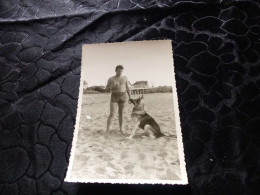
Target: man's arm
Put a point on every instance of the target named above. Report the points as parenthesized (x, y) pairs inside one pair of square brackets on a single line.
[(108, 87), (128, 88)]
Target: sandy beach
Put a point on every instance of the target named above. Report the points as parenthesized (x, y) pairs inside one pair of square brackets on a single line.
[(99, 156)]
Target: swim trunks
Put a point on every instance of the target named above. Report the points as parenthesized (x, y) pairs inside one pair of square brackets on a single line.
[(119, 97)]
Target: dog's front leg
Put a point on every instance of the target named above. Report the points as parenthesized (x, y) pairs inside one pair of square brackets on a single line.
[(134, 130)]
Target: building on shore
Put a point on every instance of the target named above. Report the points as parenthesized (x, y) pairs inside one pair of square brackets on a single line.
[(139, 87)]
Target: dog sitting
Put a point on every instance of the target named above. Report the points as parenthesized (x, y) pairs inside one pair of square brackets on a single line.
[(143, 120)]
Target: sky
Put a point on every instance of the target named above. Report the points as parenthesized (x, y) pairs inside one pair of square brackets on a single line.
[(150, 61)]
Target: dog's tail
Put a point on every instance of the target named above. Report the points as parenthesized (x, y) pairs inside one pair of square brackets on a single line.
[(160, 135), (163, 135), (170, 135)]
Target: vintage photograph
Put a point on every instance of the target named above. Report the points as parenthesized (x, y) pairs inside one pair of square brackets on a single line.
[(127, 127)]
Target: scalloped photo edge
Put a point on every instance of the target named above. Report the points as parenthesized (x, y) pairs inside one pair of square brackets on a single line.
[(183, 180)]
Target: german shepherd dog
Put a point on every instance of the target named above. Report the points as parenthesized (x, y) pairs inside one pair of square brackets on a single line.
[(143, 120)]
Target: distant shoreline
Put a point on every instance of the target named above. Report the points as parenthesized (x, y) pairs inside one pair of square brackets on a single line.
[(101, 90)]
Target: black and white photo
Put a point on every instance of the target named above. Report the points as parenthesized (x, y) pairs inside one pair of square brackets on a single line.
[(127, 127)]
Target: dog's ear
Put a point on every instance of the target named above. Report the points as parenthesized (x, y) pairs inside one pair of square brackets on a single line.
[(142, 97), (131, 101)]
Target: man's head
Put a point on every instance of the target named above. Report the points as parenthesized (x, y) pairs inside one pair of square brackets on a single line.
[(119, 70)]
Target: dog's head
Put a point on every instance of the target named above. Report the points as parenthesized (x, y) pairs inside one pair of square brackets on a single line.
[(138, 102)]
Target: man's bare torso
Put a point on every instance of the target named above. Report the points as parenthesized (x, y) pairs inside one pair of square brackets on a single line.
[(118, 83)]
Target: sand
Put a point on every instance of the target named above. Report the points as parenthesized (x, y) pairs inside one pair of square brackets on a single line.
[(99, 156)]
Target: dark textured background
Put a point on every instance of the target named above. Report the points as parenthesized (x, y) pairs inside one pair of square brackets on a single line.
[(216, 55)]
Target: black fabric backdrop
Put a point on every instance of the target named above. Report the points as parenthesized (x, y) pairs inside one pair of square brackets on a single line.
[(216, 56)]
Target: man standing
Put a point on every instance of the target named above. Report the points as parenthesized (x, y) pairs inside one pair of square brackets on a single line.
[(119, 86)]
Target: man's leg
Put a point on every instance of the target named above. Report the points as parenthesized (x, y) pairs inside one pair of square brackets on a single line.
[(113, 106), (120, 116)]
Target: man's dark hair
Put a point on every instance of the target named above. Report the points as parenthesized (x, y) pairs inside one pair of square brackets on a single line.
[(119, 67)]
